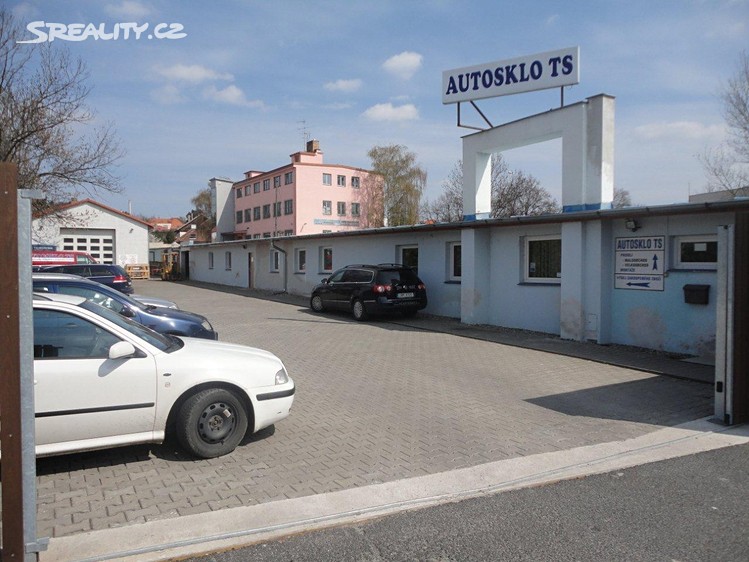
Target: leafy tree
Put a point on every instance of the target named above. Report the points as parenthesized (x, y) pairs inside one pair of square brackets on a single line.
[(202, 206), (44, 121), (402, 183), (727, 166)]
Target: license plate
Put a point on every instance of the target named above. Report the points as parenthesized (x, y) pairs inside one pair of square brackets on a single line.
[(405, 295)]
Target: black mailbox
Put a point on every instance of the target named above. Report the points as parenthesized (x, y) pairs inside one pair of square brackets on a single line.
[(696, 294)]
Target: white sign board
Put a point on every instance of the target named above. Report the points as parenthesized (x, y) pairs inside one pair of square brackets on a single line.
[(640, 263), (552, 69)]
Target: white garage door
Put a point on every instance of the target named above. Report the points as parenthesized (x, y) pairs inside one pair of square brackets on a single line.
[(99, 244)]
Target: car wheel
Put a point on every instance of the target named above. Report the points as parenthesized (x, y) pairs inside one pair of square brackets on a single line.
[(357, 309), (316, 304), (211, 423)]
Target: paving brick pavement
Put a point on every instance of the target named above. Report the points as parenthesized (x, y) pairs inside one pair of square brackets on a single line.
[(376, 402)]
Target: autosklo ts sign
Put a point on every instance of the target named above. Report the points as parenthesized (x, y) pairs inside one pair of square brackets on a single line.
[(552, 69)]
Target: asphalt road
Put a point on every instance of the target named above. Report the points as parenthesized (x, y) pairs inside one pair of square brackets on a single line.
[(688, 509)]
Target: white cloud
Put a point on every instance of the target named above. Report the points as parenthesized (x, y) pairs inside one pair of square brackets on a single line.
[(403, 65), (128, 9), (388, 112), (230, 95), (192, 73), (552, 20), (344, 85), (167, 95), (679, 130)]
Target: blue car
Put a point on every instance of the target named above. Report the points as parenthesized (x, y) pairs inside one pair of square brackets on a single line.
[(160, 319)]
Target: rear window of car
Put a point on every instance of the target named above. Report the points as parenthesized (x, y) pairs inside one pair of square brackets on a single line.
[(386, 276), (101, 270), (357, 276)]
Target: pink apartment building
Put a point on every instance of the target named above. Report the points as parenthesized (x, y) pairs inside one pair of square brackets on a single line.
[(306, 196)]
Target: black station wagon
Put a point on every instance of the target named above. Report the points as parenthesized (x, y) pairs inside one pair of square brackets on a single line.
[(371, 289)]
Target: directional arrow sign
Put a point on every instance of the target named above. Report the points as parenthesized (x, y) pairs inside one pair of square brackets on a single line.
[(639, 263)]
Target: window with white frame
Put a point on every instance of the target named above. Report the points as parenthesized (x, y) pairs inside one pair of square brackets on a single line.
[(355, 181), (247, 215), (355, 209), (256, 187), (543, 259), (266, 184), (341, 208), (288, 178), (256, 213), (327, 179), (288, 207), (327, 207), (239, 216), (275, 261), (247, 189), (300, 260), (326, 259), (266, 211), (277, 209), (239, 192), (455, 261), (227, 261), (341, 181), (277, 181), (696, 252), (210, 260)]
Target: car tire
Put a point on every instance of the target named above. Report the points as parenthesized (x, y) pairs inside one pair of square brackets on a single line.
[(315, 303), (211, 423), (358, 310)]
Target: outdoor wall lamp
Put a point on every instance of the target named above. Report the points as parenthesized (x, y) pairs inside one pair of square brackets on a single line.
[(631, 224)]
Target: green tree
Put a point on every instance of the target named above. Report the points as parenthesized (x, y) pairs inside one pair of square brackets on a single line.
[(402, 182), (44, 121)]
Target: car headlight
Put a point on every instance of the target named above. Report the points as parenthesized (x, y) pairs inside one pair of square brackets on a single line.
[(206, 325), (282, 377)]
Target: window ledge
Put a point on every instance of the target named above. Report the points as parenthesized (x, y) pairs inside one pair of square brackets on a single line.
[(541, 283), (452, 282)]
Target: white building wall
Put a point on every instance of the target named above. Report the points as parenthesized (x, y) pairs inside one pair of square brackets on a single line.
[(130, 236)]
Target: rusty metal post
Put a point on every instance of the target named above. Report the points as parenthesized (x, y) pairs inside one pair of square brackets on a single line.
[(19, 540)]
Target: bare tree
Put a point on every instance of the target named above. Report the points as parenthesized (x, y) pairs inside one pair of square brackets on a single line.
[(727, 166), (621, 199), (43, 119), (513, 193), (448, 207), (402, 183)]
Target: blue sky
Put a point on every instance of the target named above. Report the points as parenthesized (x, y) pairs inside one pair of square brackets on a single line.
[(250, 78)]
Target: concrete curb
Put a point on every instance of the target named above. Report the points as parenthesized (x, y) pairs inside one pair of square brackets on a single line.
[(236, 527)]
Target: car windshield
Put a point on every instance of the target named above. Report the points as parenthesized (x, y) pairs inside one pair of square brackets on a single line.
[(163, 342)]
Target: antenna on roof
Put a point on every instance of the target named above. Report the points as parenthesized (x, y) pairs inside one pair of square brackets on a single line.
[(305, 133)]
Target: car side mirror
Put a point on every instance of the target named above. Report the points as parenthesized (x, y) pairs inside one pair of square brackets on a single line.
[(325, 281), (127, 313), (121, 350)]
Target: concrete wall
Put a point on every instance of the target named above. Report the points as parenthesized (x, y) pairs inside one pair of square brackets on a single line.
[(583, 304), (661, 319)]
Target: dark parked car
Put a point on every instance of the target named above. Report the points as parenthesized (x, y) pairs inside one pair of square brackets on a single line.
[(371, 289), (160, 319), (108, 274)]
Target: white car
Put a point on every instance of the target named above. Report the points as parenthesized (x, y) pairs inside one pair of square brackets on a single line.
[(102, 380)]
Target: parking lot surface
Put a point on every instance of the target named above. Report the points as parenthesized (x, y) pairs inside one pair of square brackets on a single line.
[(376, 402)]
